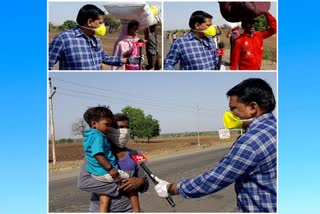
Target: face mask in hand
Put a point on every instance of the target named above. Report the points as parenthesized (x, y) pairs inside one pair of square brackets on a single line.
[(119, 137), (210, 31), (99, 31)]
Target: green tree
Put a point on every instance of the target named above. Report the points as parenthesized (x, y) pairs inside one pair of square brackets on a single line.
[(261, 23), (141, 126), (67, 25), (135, 116), (112, 22), (52, 27), (152, 127)]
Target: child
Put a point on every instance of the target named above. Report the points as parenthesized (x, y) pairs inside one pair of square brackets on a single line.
[(220, 54), (127, 45), (118, 137), (101, 163)]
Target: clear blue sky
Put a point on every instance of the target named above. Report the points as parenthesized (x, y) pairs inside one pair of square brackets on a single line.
[(170, 97), (177, 14), (59, 12)]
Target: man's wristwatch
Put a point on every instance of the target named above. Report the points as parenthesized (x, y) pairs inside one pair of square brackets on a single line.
[(170, 190)]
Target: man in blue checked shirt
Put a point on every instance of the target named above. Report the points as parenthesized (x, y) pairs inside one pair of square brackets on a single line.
[(80, 49), (252, 161), (195, 50)]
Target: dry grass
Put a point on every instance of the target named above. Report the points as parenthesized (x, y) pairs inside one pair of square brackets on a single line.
[(69, 156)]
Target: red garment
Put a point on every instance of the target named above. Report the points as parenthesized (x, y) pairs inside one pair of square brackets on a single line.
[(220, 51), (247, 52)]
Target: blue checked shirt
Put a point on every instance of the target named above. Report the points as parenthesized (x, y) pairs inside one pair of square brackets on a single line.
[(75, 51), (193, 53), (251, 164)]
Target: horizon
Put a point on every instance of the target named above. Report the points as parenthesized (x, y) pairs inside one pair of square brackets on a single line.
[(171, 98)]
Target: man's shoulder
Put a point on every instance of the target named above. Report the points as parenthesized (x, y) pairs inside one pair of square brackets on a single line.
[(240, 38), (71, 31), (260, 133), (258, 34), (132, 151), (66, 35), (183, 40)]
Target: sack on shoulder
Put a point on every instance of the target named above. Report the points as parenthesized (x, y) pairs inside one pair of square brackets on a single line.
[(239, 11)]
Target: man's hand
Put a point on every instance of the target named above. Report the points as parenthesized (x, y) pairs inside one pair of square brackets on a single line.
[(134, 60), (114, 173), (161, 188), (131, 184)]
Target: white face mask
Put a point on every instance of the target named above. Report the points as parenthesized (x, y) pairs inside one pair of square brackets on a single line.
[(119, 137)]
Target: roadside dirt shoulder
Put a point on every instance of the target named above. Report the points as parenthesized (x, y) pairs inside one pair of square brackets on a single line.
[(69, 169)]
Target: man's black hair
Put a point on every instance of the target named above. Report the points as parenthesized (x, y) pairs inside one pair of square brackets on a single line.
[(247, 21), (254, 90), (118, 117), (198, 17), (87, 12), (97, 113), (132, 24), (221, 45)]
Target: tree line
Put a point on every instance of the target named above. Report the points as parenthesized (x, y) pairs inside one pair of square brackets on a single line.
[(260, 21), (111, 22)]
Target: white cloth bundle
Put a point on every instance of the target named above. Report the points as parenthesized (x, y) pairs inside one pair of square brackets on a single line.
[(234, 24), (137, 10)]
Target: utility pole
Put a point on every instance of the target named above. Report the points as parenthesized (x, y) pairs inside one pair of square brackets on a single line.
[(197, 118), (52, 91)]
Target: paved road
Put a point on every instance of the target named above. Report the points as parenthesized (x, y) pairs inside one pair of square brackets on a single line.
[(65, 197)]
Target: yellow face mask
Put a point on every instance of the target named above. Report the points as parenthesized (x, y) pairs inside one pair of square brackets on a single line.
[(101, 30), (231, 121), (210, 31)]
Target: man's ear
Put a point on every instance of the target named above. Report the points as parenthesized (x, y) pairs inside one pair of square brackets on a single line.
[(93, 124), (197, 25), (254, 108), (89, 22)]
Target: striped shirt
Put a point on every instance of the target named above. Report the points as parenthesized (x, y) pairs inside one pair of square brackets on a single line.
[(192, 52), (251, 164), (75, 51)]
